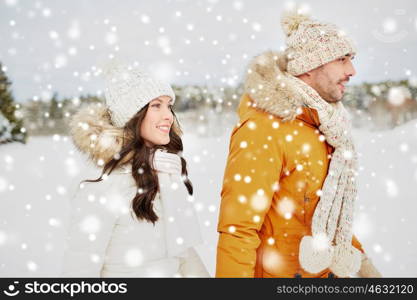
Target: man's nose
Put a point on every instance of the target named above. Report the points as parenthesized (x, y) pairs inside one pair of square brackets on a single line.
[(350, 69)]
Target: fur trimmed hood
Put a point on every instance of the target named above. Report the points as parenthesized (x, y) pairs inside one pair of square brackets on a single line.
[(271, 87), (94, 134)]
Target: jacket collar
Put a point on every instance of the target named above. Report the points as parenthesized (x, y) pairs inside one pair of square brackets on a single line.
[(309, 116), (271, 90)]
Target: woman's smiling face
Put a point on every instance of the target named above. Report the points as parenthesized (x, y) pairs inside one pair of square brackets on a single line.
[(157, 122)]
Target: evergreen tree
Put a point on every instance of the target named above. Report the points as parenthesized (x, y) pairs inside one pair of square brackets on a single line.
[(11, 123), (55, 108)]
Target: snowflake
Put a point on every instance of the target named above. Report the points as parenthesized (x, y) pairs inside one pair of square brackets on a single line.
[(321, 242), (32, 266), (3, 238), (3, 184), (389, 25), (299, 167), (133, 257), (11, 2), (306, 148), (74, 31), (212, 208), (404, 147), (259, 201), (46, 12), (256, 219), (377, 248), (286, 207), (247, 179), (54, 222), (61, 190), (174, 186), (95, 258), (397, 95), (90, 224), (199, 206), (145, 19), (271, 260), (256, 27), (242, 199), (238, 5), (61, 61), (111, 38), (391, 188), (8, 159)]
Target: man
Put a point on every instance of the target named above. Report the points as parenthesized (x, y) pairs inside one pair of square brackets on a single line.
[(289, 184)]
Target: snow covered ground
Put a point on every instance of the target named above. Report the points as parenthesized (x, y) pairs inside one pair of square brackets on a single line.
[(37, 180)]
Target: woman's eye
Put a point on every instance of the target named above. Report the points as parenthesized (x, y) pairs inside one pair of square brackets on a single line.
[(157, 105)]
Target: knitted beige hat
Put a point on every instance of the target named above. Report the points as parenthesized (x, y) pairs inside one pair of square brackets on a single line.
[(129, 89), (311, 43)]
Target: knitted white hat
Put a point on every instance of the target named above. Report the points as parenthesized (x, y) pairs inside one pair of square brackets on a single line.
[(128, 90), (311, 43)]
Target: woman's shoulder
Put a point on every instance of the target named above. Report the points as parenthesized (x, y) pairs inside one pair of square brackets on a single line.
[(114, 190)]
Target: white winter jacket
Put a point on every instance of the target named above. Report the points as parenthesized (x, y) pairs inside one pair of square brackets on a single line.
[(105, 239)]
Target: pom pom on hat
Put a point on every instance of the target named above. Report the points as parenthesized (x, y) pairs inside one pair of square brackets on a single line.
[(311, 43), (291, 20), (111, 67)]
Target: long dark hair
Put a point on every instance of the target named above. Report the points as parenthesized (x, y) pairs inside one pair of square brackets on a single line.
[(135, 151)]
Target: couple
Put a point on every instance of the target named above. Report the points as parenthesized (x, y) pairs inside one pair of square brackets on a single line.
[(289, 185)]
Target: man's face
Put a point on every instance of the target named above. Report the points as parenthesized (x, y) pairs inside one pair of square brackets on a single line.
[(329, 80)]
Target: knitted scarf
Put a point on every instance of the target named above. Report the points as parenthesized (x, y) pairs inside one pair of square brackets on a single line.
[(182, 229), (330, 245)]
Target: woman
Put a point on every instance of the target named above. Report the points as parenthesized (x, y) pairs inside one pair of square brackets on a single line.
[(137, 218)]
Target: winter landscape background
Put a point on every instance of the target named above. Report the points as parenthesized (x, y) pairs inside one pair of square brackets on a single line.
[(38, 179), (51, 57)]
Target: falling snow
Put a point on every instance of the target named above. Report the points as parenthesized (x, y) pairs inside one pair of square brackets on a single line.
[(200, 43)]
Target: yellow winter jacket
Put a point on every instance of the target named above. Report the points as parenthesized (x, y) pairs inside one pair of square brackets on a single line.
[(271, 185)]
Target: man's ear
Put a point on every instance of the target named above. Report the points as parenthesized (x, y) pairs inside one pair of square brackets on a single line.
[(308, 74), (304, 76)]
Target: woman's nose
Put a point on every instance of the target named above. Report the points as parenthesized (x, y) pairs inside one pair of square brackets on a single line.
[(167, 114)]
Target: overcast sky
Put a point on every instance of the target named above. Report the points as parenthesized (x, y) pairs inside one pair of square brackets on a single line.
[(57, 46)]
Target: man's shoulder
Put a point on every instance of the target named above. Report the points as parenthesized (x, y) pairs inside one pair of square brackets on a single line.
[(259, 121)]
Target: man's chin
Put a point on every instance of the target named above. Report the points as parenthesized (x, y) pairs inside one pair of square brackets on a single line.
[(334, 100)]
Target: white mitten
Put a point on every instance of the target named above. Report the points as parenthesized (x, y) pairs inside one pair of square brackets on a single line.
[(314, 256), (367, 269), (191, 265)]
